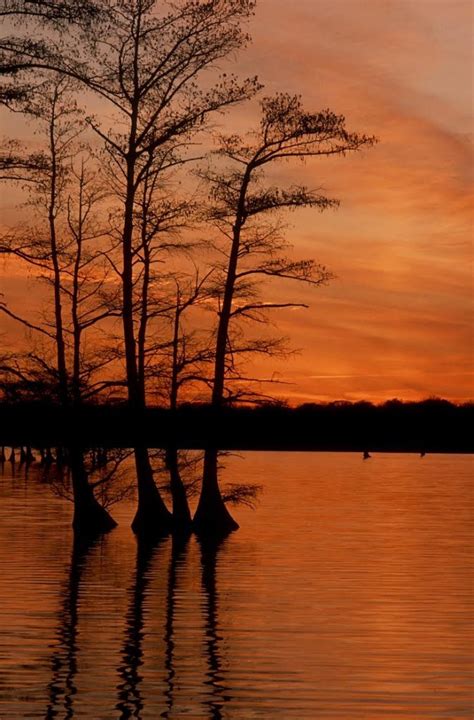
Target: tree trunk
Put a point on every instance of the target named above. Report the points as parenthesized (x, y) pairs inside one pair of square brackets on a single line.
[(211, 510), (182, 521), (152, 519), (90, 518), (181, 513), (52, 211), (212, 517)]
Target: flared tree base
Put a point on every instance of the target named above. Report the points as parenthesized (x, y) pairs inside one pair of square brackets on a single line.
[(182, 520), (182, 527), (212, 519), (153, 519), (91, 519), (152, 522)]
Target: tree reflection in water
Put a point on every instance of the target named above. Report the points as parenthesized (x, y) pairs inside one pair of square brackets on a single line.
[(62, 688), (133, 667), (179, 549), (215, 676), (129, 693)]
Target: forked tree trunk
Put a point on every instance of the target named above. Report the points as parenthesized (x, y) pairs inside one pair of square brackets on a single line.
[(152, 519), (90, 518), (182, 521), (181, 512), (212, 518)]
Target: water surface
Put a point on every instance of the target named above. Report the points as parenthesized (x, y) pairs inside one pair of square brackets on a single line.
[(346, 594)]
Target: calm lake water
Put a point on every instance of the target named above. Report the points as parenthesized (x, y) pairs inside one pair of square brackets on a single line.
[(346, 594)]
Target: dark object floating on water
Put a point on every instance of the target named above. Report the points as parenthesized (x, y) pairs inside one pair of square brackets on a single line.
[(366, 455)]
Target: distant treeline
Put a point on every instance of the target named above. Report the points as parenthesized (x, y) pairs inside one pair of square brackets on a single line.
[(430, 426)]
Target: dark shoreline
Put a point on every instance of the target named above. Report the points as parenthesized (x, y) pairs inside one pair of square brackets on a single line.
[(431, 426)]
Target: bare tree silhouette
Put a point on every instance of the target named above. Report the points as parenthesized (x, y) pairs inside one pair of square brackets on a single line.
[(143, 61), (56, 252), (254, 250)]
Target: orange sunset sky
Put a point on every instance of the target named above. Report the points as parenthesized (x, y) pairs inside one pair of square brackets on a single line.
[(397, 320)]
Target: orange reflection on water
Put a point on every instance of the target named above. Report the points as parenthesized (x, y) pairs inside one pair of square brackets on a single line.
[(345, 595)]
